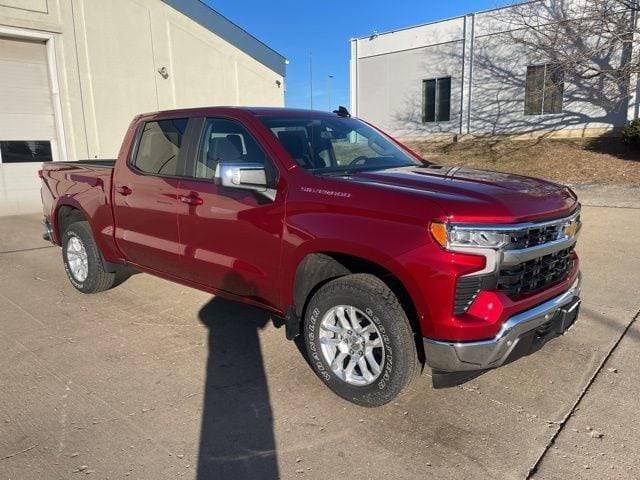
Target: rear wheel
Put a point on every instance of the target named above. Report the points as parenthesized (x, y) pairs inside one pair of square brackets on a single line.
[(359, 341), (83, 261)]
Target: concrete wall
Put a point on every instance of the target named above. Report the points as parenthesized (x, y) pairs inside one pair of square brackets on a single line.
[(104, 60), (488, 74)]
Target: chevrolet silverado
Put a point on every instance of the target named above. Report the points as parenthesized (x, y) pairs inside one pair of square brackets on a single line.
[(377, 261)]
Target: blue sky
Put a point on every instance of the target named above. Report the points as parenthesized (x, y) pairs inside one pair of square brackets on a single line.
[(295, 28)]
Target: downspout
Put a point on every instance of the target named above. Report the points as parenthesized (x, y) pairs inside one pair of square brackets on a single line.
[(464, 57), (471, 59)]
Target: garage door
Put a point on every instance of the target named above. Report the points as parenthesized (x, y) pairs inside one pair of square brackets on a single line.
[(26, 111), (27, 127)]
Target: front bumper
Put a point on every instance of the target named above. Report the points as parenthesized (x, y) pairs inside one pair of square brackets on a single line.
[(519, 335)]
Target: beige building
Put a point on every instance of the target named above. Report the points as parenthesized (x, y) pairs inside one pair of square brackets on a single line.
[(73, 73)]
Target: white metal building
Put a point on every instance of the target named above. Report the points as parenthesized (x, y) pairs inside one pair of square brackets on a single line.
[(465, 75), (73, 73)]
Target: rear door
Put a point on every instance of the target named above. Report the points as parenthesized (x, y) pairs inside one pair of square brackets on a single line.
[(231, 238), (145, 196)]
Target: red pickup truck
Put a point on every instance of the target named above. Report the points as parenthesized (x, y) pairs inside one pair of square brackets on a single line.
[(380, 260)]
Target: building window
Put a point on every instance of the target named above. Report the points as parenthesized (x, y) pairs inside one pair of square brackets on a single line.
[(436, 100), (25, 151), (544, 89)]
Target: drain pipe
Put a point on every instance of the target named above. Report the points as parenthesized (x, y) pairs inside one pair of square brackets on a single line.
[(471, 59)]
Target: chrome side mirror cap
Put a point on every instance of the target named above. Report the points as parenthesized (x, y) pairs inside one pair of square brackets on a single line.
[(244, 176)]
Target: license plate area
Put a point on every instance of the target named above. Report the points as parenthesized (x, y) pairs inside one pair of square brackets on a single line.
[(567, 315)]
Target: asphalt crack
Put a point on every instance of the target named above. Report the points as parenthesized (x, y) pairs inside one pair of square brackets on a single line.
[(534, 469), (27, 249)]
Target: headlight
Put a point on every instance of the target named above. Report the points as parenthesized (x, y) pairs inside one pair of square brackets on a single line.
[(455, 237)]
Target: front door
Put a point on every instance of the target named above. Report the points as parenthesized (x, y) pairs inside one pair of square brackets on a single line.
[(231, 238), (145, 197)]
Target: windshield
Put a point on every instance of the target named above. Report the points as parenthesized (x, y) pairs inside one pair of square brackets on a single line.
[(326, 144)]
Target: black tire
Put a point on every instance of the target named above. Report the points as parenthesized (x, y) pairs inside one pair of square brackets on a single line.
[(400, 365), (97, 279)]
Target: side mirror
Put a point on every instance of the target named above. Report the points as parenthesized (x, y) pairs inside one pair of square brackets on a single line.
[(245, 176)]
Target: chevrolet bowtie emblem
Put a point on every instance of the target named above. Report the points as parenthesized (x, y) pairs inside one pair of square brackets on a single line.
[(571, 229)]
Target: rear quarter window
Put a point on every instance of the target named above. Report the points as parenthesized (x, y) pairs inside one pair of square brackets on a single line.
[(159, 146)]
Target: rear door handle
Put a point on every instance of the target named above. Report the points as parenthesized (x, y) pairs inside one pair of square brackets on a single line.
[(124, 190), (191, 199)]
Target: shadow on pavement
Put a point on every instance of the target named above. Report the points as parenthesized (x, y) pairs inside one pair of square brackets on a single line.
[(236, 437)]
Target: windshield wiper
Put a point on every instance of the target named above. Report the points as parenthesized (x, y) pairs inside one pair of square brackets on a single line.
[(350, 170)]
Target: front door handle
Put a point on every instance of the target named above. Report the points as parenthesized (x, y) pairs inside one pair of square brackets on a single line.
[(191, 199), (124, 190)]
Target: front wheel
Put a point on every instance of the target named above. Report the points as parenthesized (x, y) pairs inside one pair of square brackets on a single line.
[(359, 340), (83, 261)]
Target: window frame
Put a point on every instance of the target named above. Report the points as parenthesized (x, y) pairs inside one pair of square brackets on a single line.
[(200, 127), (436, 106), (543, 91), (182, 155)]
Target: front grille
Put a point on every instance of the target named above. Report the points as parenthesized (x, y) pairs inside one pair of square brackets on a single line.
[(467, 289), (535, 274), (534, 236)]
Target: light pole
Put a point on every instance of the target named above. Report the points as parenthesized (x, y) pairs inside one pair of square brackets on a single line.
[(329, 81), (311, 80)]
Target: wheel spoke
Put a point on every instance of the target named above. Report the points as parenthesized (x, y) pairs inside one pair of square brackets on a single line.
[(342, 319), (348, 372), (330, 328), (376, 342), (364, 369), (368, 330), (330, 341), (337, 364), (375, 366), (353, 318)]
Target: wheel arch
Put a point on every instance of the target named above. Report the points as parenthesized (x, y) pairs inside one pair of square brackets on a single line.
[(65, 213), (70, 211), (317, 268)]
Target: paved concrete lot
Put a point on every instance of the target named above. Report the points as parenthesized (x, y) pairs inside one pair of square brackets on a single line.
[(152, 380)]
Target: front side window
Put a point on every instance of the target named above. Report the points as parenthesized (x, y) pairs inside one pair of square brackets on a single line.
[(160, 146), (336, 144), (436, 100), (544, 89), (227, 141)]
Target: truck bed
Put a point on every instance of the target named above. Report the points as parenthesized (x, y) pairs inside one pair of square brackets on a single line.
[(84, 184), (103, 163)]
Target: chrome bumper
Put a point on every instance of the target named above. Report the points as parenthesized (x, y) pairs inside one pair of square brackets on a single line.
[(481, 355)]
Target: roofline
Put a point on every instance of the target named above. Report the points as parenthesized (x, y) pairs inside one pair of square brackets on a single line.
[(457, 17), (253, 110), (215, 22)]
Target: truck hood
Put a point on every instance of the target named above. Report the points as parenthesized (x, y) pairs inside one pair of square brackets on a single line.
[(470, 195)]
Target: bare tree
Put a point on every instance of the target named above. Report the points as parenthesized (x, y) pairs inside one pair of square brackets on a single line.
[(588, 39)]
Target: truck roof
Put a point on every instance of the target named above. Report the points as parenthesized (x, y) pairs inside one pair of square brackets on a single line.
[(257, 111)]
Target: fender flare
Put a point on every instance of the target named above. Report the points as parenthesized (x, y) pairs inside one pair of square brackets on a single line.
[(296, 293)]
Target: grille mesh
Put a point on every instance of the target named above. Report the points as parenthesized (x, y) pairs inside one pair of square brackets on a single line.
[(535, 274), (534, 236)]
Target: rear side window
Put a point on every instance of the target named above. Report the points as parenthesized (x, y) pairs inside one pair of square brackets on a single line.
[(159, 146)]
